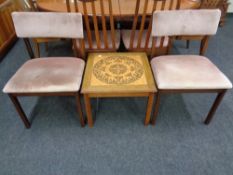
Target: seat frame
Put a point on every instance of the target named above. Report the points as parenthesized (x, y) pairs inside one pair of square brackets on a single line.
[(217, 101), (24, 118)]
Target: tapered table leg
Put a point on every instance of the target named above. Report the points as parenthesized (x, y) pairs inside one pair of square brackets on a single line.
[(79, 109), (88, 110), (156, 108), (20, 111), (149, 108)]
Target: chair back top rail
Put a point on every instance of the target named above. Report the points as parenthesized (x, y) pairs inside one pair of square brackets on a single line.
[(96, 23), (186, 22), (158, 5), (48, 25)]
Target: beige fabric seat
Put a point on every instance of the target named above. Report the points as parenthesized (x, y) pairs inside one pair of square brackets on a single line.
[(44, 75), (188, 72), (109, 39), (126, 39)]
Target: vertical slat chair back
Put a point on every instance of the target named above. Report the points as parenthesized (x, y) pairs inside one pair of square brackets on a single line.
[(31, 4), (142, 16), (97, 21), (196, 23), (47, 25)]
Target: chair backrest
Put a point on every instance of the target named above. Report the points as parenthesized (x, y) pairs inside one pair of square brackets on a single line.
[(185, 22), (194, 23), (48, 25), (97, 19), (145, 16)]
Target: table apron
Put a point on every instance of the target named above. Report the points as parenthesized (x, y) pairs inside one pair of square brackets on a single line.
[(119, 95)]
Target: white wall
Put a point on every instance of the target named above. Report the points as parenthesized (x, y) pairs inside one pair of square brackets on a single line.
[(230, 9)]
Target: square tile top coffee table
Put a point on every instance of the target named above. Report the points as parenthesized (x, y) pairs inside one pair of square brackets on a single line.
[(118, 75)]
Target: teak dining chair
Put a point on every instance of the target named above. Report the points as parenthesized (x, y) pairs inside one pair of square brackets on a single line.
[(51, 76), (139, 37), (100, 33), (187, 73)]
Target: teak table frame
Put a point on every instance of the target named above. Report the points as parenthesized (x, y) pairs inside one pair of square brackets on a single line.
[(120, 91), (88, 96)]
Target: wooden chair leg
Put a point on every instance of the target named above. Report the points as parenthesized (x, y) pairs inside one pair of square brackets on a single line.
[(79, 109), (20, 111), (204, 45), (29, 48), (37, 50), (156, 108), (88, 110), (214, 107), (187, 44), (149, 109)]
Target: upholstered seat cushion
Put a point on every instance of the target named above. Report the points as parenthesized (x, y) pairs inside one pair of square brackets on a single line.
[(45, 75), (126, 34), (109, 39), (188, 72)]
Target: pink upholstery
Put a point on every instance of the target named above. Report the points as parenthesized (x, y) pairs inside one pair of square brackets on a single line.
[(44, 75), (126, 34), (48, 24), (185, 22), (94, 45), (188, 72)]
